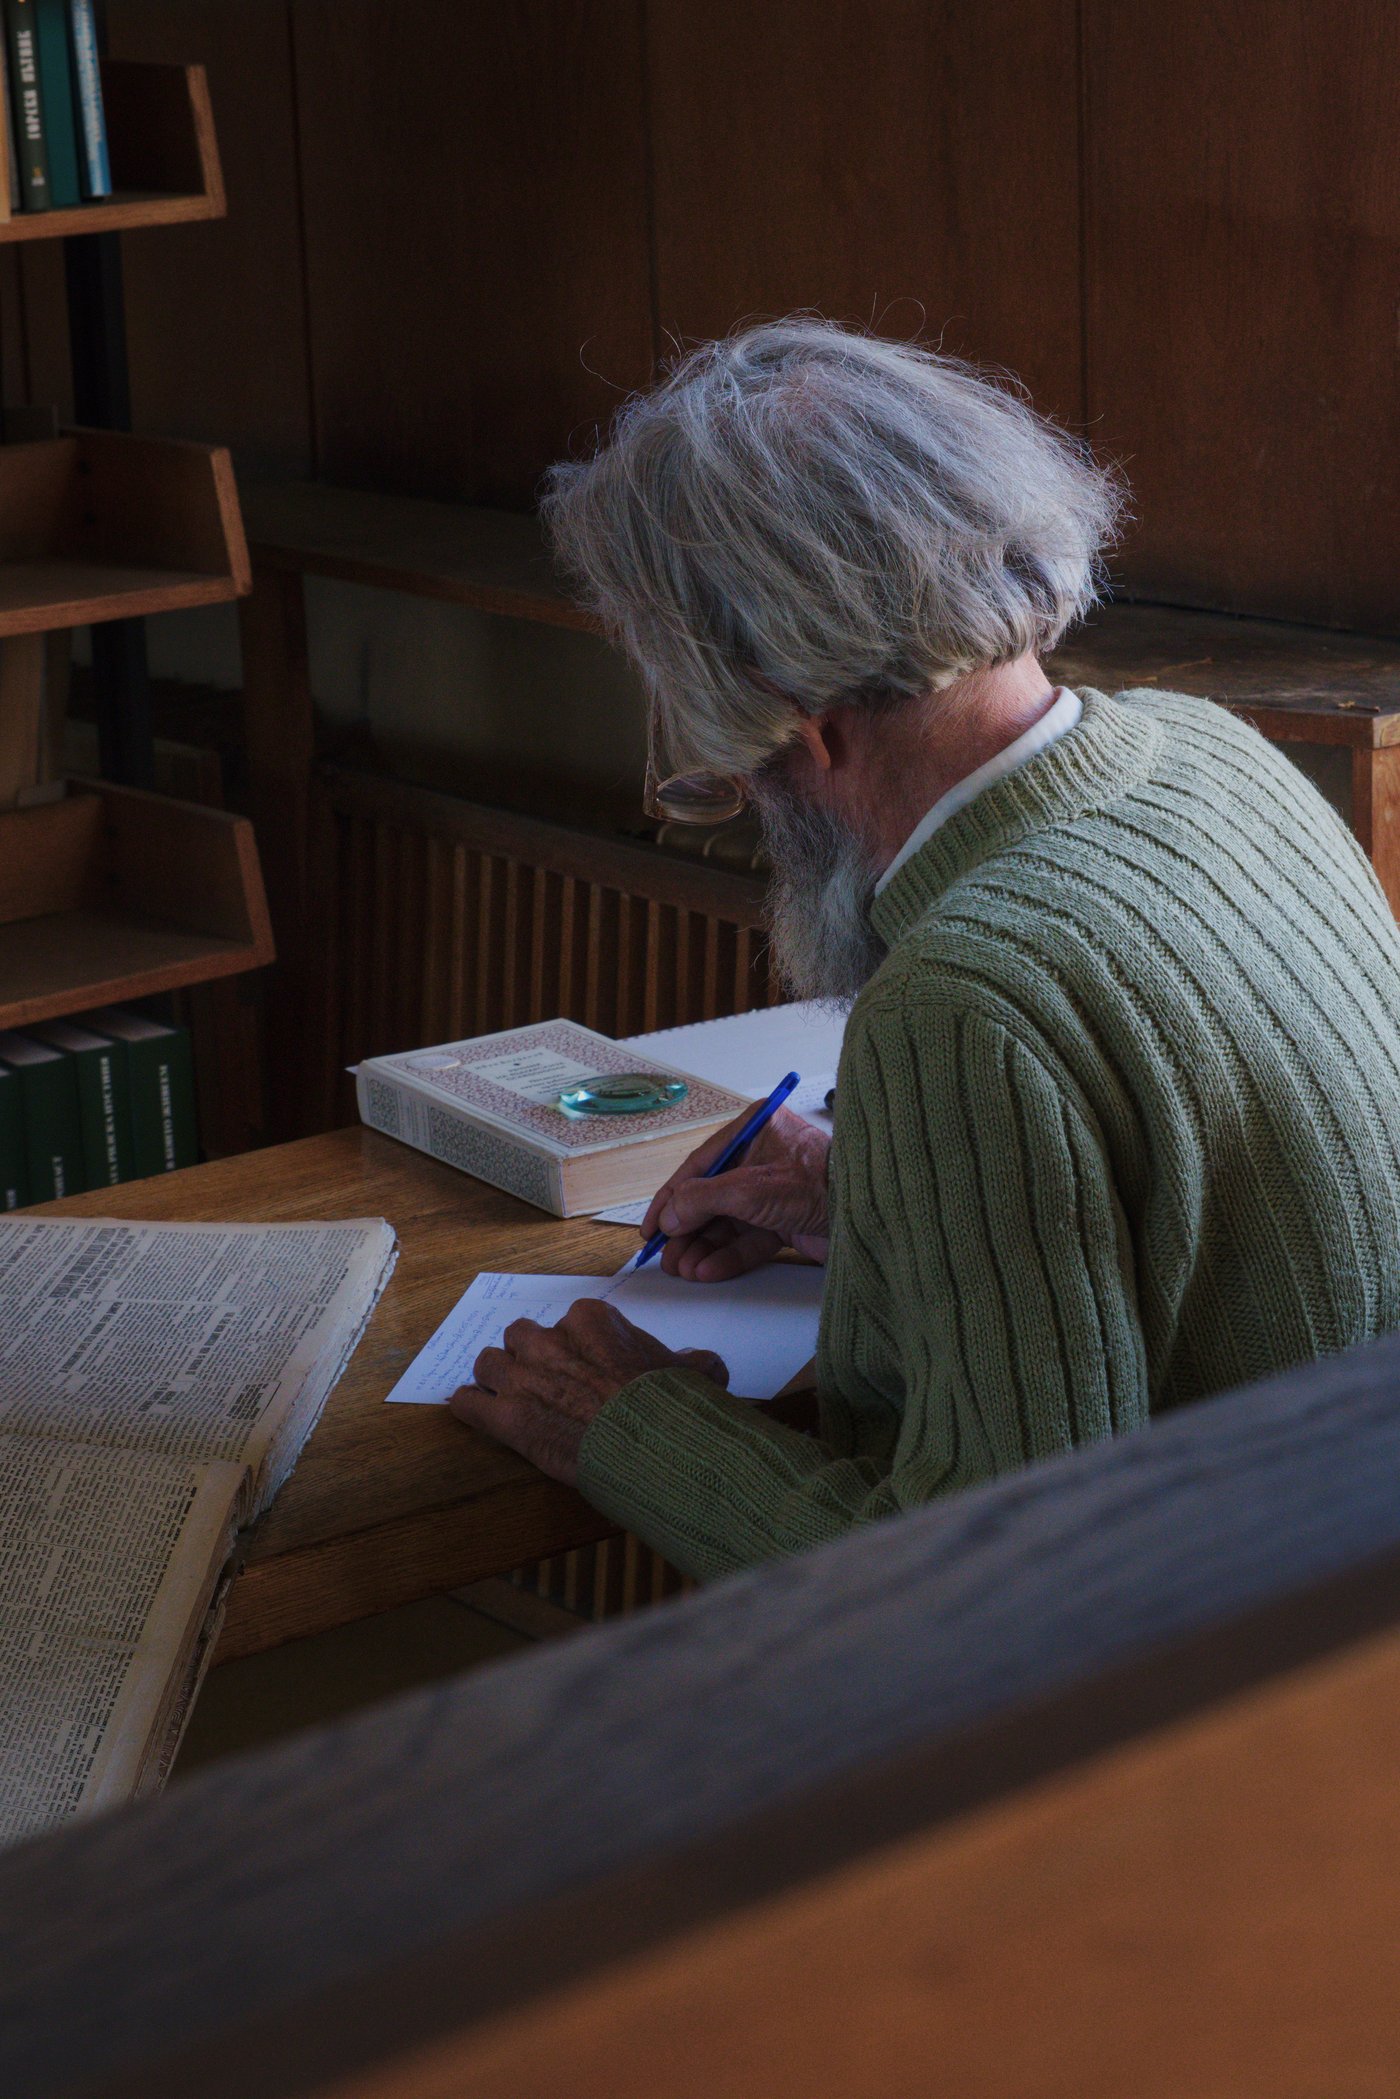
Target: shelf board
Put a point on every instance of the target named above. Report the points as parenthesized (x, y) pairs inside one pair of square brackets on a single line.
[(164, 155), (492, 560), (116, 214), (111, 893), (38, 596), (1297, 684), (73, 960), (97, 525)]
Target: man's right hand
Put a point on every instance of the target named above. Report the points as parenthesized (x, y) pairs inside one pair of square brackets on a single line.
[(775, 1198)]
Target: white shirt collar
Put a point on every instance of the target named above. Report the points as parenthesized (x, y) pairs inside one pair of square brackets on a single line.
[(1058, 719)]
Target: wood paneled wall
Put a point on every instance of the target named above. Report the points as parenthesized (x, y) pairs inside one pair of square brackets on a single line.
[(459, 232)]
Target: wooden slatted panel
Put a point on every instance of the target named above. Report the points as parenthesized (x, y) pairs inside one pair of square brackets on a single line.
[(440, 919)]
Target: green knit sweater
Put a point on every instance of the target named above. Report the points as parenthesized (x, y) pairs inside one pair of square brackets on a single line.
[(1118, 1125)]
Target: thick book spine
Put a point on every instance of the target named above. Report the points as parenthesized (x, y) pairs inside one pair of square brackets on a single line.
[(14, 1173), (175, 1088), (26, 105), (57, 103), (103, 1107), (9, 160), (53, 1130), (143, 1061), (160, 1081), (106, 1114), (387, 1104), (87, 80)]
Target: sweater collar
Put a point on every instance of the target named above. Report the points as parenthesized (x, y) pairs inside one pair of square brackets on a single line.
[(1109, 752)]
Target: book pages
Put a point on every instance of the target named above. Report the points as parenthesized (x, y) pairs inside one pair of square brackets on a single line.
[(157, 1382), (187, 1340), (108, 1562)]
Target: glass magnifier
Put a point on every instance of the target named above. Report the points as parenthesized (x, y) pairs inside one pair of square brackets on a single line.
[(622, 1093)]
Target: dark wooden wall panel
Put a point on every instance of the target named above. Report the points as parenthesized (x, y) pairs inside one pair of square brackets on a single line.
[(913, 166), (1243, 253), (14, 379), (476, 225), (216, 317), (459, 231)]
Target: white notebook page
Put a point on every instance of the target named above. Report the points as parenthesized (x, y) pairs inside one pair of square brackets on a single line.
[(764, 1325)]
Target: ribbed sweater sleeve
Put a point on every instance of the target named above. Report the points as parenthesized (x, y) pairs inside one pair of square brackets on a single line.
[(981, 1277)]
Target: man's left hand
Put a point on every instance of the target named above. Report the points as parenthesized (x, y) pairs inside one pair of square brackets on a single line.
[(543, 1388)]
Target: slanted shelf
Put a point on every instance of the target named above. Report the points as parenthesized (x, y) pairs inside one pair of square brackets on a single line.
[(492, 560), (96, 525), (164, 156), (113, 894)]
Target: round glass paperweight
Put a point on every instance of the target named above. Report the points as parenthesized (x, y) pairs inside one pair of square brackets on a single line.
[(622, 1093)]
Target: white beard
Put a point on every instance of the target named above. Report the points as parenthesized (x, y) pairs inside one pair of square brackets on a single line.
[(818, 906)]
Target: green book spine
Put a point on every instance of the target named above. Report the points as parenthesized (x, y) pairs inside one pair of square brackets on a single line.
[(162, 1102), (14, 1173), (26, 106), (56, 100), (102, 1103), (144, 1059), (53, 1129), (161, 1075), (103, 1100), (178, 1132)]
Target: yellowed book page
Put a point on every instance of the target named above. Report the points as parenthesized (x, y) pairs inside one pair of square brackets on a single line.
[(108, 1564), (204, 1341)]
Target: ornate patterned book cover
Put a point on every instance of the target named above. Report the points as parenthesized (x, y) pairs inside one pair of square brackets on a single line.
[(513, 1080)]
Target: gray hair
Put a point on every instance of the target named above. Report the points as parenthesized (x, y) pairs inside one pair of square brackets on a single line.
[(803, 513)]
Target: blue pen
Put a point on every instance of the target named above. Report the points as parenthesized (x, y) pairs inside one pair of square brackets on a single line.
[(731, 1155)]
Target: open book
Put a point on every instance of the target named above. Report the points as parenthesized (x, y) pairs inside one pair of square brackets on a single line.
[(157, 1384)]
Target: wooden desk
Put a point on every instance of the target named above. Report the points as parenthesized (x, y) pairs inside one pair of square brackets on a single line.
[(387, 1503)]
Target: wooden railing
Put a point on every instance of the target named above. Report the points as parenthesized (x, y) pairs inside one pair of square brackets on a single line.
[(1092, 1767)]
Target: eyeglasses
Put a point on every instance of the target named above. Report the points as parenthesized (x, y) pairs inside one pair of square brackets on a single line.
[(692, 798), (688, 798)]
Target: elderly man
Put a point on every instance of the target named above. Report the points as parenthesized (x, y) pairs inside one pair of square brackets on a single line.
[(1118, 1120)]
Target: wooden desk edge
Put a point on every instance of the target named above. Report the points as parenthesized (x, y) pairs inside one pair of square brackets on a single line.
[(314, 1588)]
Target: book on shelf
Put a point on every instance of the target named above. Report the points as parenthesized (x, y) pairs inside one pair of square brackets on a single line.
[(94, 164), (104, 1099), (14, 1171), (491, 1107), (51, 109), (50, 1116), (58, 103), (9, 159), (26, 104), (99, 1100), (160, 1088), (157, 1385)]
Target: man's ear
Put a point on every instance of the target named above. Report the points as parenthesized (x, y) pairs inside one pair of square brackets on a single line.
[(821, 739)]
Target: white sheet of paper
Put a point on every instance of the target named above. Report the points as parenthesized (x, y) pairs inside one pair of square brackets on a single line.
[(751, 1051), (763, 1324)]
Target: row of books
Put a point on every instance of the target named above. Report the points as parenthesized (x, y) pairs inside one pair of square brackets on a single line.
[(85, 1104), (54, 122)]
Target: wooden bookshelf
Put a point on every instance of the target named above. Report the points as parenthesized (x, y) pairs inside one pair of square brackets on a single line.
[(96, 525), (111, 894), (164, 155)]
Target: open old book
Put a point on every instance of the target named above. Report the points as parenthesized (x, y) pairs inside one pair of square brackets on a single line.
[(157, 1383)]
